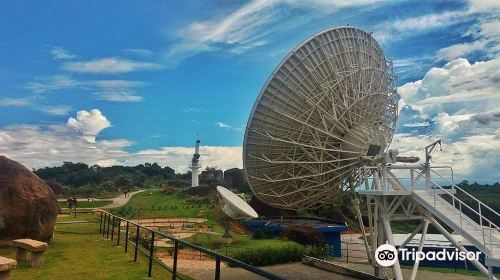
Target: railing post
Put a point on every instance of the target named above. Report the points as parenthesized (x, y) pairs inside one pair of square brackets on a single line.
[(100, 224), (484, 238), (119, 232), (136, 243), (454, 192), (384, 183), (103, 224), (480, 216), (174, 266), (151, 249), (126, 238), (347, 252), (460, 203), (112, 228), (107, 230), (365, 177), (434, 192), (412, 179), (217, 269), (491, 242)]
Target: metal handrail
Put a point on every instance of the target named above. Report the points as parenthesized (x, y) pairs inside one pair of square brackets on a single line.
[(463, 216), (480, 216), (429, 189), (178, 241), (471, 196)]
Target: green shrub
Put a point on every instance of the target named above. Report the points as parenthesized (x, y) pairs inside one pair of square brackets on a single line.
[(125, 212), (305, 235), (258, 234), (278, 255)]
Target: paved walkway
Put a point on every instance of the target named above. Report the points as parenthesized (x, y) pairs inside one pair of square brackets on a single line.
[(204, 269), (116, 202), (121, 200)]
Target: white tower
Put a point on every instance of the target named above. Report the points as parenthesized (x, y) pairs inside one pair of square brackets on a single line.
[(195, 164)]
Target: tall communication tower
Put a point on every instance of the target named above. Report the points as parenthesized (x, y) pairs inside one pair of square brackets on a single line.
[(195, 167)]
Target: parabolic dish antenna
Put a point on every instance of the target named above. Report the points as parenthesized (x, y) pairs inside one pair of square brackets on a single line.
[(234, 206), (328, 103)]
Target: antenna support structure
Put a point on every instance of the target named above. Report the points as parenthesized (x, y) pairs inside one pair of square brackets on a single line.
[(411, 192)]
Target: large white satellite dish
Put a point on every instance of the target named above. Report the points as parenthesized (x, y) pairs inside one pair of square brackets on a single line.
[(330, 102), (234, 206)]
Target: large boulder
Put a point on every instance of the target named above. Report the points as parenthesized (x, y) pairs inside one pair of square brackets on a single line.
[(55, 187), (28, 207), (234, 178)]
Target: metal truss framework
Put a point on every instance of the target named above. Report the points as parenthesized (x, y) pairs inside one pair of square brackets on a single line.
[(388, 200), (318, 113)]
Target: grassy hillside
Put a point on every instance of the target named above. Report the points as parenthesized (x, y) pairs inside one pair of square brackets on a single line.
[(154, 203)]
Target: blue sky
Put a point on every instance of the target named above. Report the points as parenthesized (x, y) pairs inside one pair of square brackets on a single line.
[(123, 82)]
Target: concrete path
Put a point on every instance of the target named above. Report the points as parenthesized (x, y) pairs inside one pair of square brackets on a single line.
[(85, 199), (121, 200), (295, 271), (116, 202)]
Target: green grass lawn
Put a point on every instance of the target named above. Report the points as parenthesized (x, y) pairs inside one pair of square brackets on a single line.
[(110, 194), (157, 204), (86, 204), (104, 195), (78, 252), (241, 242)]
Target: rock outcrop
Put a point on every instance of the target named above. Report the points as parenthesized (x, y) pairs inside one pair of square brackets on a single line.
[(234, 178), (55, 187), (211, 177), (28, 207)]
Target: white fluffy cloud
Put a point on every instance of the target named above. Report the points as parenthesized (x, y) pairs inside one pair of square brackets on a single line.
[(460, 50), (486, 33), (45, 84), (49, 145), (61, 53), (223, 125), (250, 25), (459, 104), (109, 90), (457, 86), (427, 21), (58, 110), (118, 96), (19, 102), (476, 6), (40, 146), (117, 90), (140, 52), (178, 157), (110, 65), (472, 158), (393, 30), (89, 123)]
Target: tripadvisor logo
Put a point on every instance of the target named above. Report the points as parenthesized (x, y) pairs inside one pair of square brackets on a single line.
[(387, 255)]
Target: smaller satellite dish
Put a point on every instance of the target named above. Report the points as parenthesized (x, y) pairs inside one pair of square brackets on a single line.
[(234, 206)]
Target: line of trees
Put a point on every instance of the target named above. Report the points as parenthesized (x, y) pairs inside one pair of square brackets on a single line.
[(80, 175)]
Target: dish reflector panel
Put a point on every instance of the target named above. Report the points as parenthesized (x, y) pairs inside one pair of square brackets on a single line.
[(329, 102), (234, 206)]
